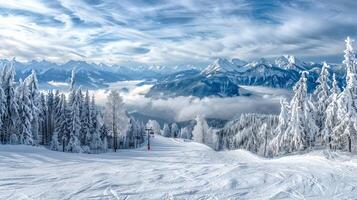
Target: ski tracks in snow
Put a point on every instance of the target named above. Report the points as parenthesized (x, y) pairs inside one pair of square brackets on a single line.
[(174, 169)]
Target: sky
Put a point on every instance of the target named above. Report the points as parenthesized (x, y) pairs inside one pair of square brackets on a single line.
[(178, 32)]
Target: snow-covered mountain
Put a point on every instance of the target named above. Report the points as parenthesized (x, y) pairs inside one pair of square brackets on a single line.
[(88, 75), (223, 77)]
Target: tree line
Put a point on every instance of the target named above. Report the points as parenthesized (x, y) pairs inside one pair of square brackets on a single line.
[(71, 123)]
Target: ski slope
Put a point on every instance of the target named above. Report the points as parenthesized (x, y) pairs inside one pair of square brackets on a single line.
[(174, 169)]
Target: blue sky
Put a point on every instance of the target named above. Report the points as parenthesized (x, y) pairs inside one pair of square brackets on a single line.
[(179, 32)]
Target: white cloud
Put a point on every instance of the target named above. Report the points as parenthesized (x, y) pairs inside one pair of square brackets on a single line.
[(264, 100), (172, 32)]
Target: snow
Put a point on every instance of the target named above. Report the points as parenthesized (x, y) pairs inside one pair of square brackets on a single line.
[(220, 65), (174, 169)]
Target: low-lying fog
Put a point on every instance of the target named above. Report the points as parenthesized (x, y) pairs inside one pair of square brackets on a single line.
[(263, 100)]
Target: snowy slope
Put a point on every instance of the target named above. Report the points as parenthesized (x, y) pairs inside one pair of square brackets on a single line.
[(174, 169)]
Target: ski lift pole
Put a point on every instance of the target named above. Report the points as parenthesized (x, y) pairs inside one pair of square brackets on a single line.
[(148, 130)]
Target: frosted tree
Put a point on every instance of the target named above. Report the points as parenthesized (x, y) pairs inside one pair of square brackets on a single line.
[(74, 144), (2, 110), (264, 132), (25, 114), (331, 119), (86, 121), (115, 117), (49, 117), (321, 97), (279, 143), (186, 133), (134, 135), (96, 143), (174, 130), (154, 125), (166, 131), (54, 144), (61, 131), (301, 129), (32, 84), (42, 118), (11, 107), (201, 130), (345, 133)]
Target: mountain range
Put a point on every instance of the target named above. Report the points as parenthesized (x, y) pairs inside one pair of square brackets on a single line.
[(221, 78), (88, 75)]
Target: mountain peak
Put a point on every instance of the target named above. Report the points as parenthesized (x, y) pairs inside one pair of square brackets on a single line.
[(220, 65), (290, 62)]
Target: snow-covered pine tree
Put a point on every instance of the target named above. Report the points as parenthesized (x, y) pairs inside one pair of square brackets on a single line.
[(264, 132), (201, 130), (59, 119), (116, 117), (301, 127), (104, 133), (96, 143), (134, 135), (42, 118), (74, 144), (32, 84), (10, 116), (345, 134), (85, 132), (2, 110), (49, 117), (279, 143), (174, 130), (186, 133), (321, 99), (166, 131), (331, 115), (25, 114)]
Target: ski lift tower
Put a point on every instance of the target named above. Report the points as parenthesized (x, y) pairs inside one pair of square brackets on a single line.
[(150, 132)]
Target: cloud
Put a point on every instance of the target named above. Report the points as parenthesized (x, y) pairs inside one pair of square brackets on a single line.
[(264, 100), (174, 32)]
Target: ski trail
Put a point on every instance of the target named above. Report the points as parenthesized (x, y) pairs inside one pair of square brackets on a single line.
[(174, 169)]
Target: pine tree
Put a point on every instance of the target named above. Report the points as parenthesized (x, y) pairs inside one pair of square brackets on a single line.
[(42, 119), (200, 131), (301, 129), (96, 143), (25, 114), (2, 110), (321, 98), (279, 143), (264, 132), (61, 129), (331, 116), (10, 116), (74, 144), (32, 84), (166, 131), (186, 133), (174, 130), (49, 117), (86, 123), (345, 133)]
